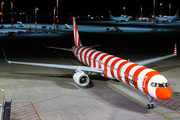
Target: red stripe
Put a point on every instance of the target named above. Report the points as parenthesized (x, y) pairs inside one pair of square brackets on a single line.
[(105, 65), (79, 43), (77, 52), (112, 65), (75, 37), (136, 74), (95, 57), (81, 53), (119, 68), (128, 69), (85, 55), (100, 59), (91, 58), (149, 76)]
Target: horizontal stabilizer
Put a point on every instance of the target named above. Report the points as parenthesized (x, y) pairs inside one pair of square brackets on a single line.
[(93, 46), (67, 49)]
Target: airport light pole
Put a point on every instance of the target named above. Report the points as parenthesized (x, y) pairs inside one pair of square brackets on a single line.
[(2, 3), (153, 13), (36, 17), (161, 9), (57, 14), (11, 13), (141, 12), (169, 9), (124, 8), (54, 17)]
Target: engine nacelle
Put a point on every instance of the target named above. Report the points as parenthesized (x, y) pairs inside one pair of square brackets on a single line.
[(81, 78)]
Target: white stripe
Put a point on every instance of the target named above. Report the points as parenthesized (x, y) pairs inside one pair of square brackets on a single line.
[(124, 69), (104, 59), (79, 56), (116, 66), (84, 55), (87, 58), (99, 56), (94, 59), (141, 78), (75, 50), (108, 68), (132, 71)]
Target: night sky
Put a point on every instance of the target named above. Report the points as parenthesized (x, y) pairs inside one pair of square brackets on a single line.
[(92, 6)]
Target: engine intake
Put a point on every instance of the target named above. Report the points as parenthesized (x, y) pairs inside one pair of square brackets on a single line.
[(81, 78)]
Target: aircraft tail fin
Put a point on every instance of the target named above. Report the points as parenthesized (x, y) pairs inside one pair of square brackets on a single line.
[(77, 40), (177, 14), (110, 14)]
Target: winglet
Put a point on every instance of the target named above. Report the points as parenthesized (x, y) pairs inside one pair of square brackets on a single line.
[(5, 56), (175, 50)]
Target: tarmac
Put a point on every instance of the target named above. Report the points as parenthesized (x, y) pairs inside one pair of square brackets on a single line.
[(49, 93), (40, 93)]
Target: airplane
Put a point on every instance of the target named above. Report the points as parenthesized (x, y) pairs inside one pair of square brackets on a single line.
[(172, 18), (117, 19), (134, 74), (167, 19)]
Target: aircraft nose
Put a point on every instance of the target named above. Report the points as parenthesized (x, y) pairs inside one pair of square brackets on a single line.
[(163, 93)]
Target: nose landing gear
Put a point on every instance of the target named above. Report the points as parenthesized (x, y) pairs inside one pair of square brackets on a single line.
[(151, 105)]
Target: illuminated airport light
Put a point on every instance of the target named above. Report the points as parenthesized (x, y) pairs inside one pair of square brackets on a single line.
[(152, 16), (92, 17), (9, 62), (160, 3), (124, 8), (88, 15), (0, 13), (2, 2), (23, 12)]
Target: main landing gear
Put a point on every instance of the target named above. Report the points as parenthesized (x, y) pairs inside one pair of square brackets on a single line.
[(151, 105)]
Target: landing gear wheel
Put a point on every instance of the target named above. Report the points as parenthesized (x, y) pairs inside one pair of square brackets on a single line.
[(152, 106), (148, 106)]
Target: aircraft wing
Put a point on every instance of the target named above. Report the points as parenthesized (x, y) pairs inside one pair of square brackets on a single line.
[(152, 60), (73, 67)]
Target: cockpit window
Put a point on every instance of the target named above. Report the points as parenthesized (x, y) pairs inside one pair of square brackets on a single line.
[(153, 84)]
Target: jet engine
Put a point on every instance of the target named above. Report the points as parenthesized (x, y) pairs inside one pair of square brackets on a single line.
[(81, 78)]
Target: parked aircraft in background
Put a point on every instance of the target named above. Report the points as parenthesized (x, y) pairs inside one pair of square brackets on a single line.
[(167, 19), (118, 19), (172, 18), (134, 74)]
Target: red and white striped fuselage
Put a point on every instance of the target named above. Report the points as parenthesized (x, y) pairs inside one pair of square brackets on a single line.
[(135, 75)]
